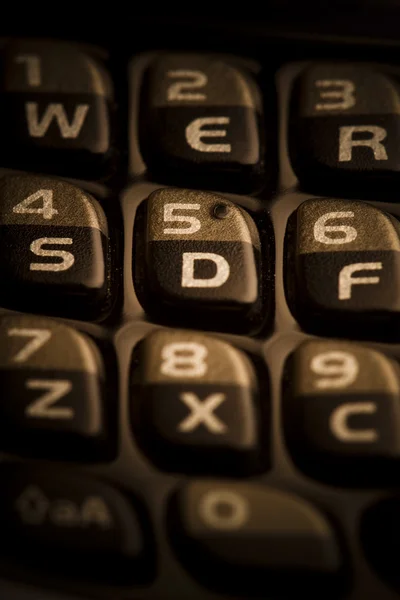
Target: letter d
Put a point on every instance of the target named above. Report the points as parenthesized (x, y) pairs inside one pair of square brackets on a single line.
[(188, 262)]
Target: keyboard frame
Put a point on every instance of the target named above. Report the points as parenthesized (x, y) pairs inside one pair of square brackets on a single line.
[(132, 472)]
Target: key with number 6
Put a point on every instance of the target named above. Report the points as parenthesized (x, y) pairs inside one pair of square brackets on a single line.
[(343, 265)]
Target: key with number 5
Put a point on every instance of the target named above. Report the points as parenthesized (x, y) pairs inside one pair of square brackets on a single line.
[(198, 257)]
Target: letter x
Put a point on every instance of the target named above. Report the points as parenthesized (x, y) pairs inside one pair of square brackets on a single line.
[(202, 412)]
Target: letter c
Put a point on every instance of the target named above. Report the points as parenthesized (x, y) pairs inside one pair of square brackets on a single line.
[(338, 423)]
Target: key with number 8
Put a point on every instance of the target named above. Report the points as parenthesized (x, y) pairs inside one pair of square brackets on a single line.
[(194, 405)]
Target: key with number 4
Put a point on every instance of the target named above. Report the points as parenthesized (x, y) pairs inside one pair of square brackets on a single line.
[(52, 391), (54, 248), (194, 405)]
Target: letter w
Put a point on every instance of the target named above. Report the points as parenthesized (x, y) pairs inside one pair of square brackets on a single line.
[(68, 130)]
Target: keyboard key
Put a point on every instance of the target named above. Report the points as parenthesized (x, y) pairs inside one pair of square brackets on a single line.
[(343, 266), (54, 248), (197, 261), (341, 412), (71, 524), (245, 537), (52, 392), (380, 535), (201, 121), (194, 405), (55, 101), (345, 126)]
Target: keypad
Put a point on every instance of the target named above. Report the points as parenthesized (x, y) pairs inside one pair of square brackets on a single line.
[(64, 518), (342, 411), (54, 247), (345, 124), (256, 537), (195, 405), (55, 103), (199, 384), (380, 538), (202, 115), (343, 264), (199, 253), (52, 391)]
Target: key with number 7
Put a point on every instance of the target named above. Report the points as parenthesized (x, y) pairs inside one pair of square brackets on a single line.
[(52, 399)]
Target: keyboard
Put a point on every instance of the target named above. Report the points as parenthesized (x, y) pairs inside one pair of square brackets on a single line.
[(199, 323)]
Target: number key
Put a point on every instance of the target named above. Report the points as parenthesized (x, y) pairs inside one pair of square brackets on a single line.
[(54, 100), (250, 540), (341, 412), (53, 248), (200, 120), (194, 404), (199, 253), (52, 400), (345, 126), (343, 265)]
